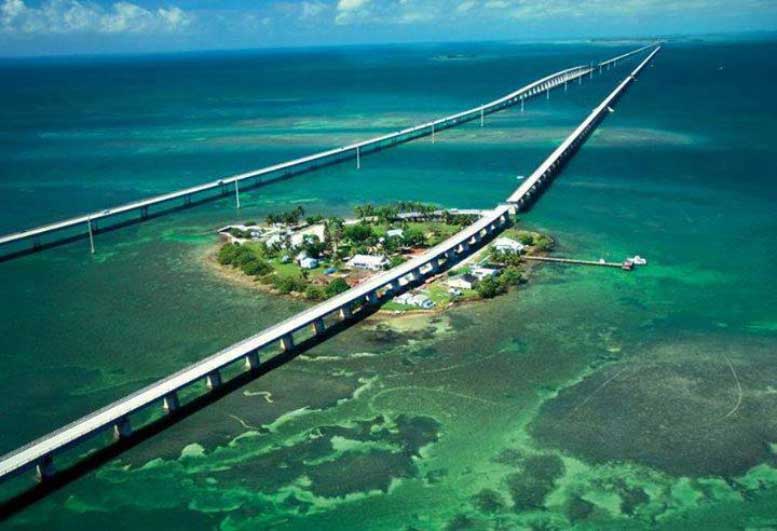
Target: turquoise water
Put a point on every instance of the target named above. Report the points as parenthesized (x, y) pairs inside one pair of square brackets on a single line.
[(591, 398)]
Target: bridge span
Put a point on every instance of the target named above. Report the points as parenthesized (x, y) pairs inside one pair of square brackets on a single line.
[(89, 222), (343, 309), (531, 186)]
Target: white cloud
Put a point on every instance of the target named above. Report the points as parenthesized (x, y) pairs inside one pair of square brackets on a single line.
[(351, 5), (73, 16), (465, 6), (312, 9), (349, 11)]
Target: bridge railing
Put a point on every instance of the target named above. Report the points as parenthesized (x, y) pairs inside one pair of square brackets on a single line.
[(302, 164)]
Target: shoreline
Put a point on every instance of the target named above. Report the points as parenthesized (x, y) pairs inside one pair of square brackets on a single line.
[(236, 277)]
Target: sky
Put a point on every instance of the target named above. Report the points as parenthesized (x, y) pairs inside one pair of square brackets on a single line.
[(44, 27)]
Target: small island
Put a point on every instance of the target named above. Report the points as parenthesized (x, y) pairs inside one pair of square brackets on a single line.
[(315, 258)]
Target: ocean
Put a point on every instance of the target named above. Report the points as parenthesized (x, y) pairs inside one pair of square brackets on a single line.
[(589, 399)]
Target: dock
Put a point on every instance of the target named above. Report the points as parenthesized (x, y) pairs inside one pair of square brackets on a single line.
[(626, 265)]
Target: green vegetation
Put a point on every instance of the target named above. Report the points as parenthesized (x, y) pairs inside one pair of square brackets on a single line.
[(392, 212), (274, 265), (335, 287), (250, 260), (291, 217)]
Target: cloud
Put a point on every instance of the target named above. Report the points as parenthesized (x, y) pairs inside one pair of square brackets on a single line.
[(75, 16), (312, 9), (465, 6), (349, 11)]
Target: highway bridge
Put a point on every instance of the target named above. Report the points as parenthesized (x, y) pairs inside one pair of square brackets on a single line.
[(87, 224), (341, 310)]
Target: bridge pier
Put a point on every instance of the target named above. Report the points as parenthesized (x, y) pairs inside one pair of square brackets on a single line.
[(122, 429), (358, 158), (432, 132), (252, 361), (170, 403), (237, 195), (482, 112), (45, 468), (346, 312), (521, 103), (319, 327), (372, 298), (144, 212), (91, 235), (213, 380), (287, 342)]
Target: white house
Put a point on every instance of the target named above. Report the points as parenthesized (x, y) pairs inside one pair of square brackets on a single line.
[(415, 299), (483, 272), (462, 282), (508, 245), (422, 301), (368, 262), (403, 298), (395, 233), (308, 263)]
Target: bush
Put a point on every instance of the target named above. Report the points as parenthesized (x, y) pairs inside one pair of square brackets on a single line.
[(227, 254), (257, 268), (489, 287), (511, 276), (525, 238), (335, 287), (314, 293), (544, 243), (396, 260), (413, 237), (358, 233), (287, 284)]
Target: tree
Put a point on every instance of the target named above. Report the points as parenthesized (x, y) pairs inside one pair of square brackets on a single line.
[(543, 243), (227, 253), (525, 237), (257, 268), (413, 237), (358, 233), (312, 245), (336, 287), (489, 287), (334, 232), (396, 260)]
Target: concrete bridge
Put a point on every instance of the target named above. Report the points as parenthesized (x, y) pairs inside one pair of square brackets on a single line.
[(531, 187), (247, 355), (13, 244)]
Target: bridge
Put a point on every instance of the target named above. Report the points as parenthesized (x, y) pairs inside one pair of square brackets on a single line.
[(341, 310), (531, 186), (226, 185)]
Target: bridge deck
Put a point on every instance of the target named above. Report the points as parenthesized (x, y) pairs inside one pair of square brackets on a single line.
[(106, 417), (577, 135), (113, 415), (423, 129)]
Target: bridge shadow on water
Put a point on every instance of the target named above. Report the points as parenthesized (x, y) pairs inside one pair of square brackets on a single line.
[(222, 194), (94, 460)]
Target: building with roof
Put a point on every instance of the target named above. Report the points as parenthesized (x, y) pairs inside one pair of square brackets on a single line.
[(368, 262), (508, 245)]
